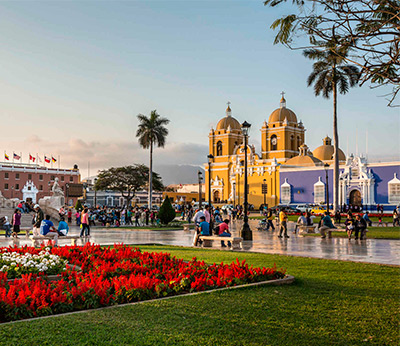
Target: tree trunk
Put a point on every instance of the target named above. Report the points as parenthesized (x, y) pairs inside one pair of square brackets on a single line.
[(151, 176), (336, 152)]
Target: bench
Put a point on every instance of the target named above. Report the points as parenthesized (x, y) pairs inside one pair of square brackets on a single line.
[(306, 229), (34, 239), (329, 231), (186, 226), (208, 239)]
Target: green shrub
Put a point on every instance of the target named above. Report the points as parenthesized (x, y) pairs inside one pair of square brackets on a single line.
[(167, 212), (78, 205)]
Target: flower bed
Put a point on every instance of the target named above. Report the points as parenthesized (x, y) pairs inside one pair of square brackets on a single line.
[(113, 276)]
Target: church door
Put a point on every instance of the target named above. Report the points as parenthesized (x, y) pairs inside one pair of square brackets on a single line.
[(355, 198), (217, 197)]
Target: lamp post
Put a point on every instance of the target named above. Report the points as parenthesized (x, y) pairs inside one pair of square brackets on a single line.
[(246, 232), (326, 166), (199, 174), (234, 194), (210, 157), (264, 190)]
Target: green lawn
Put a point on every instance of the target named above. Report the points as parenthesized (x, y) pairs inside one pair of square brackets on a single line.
[(331, 303), (373, 233)]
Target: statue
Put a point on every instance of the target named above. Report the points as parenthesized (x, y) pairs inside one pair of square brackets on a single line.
[(56, 189)]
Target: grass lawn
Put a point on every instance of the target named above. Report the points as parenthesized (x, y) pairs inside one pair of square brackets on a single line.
[(373, 233), (331, 303)]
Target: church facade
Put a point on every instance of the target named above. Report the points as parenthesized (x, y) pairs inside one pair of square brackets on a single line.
[(288, 170)]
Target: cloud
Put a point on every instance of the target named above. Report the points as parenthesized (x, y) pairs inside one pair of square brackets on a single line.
[(176, 160)]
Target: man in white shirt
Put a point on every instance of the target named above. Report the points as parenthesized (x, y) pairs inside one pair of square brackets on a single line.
[(301, 221), (207, 213), (197, 216)]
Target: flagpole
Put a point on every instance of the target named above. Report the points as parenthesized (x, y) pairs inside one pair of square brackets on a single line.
[(58, 161), (20, 157)]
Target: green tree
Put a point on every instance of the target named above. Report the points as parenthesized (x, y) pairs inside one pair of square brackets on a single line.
[(371, 27), (330, 74), (126, 180), (78, 205), (151, 131), (167, 212)]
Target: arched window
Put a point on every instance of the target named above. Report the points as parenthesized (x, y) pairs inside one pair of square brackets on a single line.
[(298, 142), (274, 142), (292, 143), (219, 148)]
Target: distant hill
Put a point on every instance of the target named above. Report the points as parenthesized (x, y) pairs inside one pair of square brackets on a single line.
[(179, 174)]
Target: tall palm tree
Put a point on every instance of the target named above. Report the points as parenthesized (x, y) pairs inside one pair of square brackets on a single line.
[(330, 74), (151, 131)]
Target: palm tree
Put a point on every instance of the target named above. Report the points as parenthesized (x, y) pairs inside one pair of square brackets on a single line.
[(151, 131), (330, 74)]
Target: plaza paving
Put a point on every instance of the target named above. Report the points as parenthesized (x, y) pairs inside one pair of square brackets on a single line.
[(372, 250)]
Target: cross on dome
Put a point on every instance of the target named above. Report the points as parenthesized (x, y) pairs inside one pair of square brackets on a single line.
[(283, 101), (228, 109)]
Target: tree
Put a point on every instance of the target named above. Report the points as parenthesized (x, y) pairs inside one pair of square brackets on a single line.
[(330, 74), (126, 180), (78, 205), (370, 27), (151, 131), (167, 212)]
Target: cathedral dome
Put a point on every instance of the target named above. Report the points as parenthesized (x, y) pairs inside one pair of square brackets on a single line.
[(325, 151), (304, 158), (282, 113), (228, 122)]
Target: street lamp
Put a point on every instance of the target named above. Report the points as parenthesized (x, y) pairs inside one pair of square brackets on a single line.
[(234, 194), (246, 232), (264, 190), (210, 157), (326, 166), (199, 174)]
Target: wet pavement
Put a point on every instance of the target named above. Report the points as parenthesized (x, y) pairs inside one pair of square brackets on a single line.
[(371, 250)]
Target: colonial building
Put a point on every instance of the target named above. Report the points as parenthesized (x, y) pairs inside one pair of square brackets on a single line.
[(30, 182), (292, 173)]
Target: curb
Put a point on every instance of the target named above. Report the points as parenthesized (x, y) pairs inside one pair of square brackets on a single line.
[(288, 279)]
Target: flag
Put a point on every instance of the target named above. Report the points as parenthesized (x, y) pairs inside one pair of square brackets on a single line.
[(6, 157), (46, 159), (32, 158), (16, 157), (53, 159), (39, 159)]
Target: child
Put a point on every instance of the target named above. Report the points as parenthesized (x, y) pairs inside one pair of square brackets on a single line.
[(380, 221)]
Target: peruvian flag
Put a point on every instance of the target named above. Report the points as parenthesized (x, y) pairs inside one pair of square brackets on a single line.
[(46, 159), (31, 158)]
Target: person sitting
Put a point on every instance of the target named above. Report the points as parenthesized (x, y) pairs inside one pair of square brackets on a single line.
[(349, 225), (202, 229), (301, 221), (326, 225), (47, 229), (62, 227), (224, 232)]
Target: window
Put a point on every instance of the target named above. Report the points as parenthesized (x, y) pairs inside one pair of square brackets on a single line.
[(40, 187), (17, 176), (52, 178), (286, 192), (6, 175), (71, 179), (319, 192), (394, 190), (41, 177), (5, 186), (219, 148), (274, 142), (16, 186), (62, 178), (292, 143)]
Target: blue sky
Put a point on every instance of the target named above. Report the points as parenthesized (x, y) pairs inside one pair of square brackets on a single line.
[(74, 75)]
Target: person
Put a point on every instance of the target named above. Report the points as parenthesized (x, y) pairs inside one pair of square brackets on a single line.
[(207, 214), (137, 217), (326, 224), (338, 217), (396, 217), (85, 224), (16, 222), (47, 229), (69, 215), (224, 232), (380, 221), (270, 218), (367, 219), (37, 221), (7, 227), (301, 221), (197, 217), (62, 227), (360, 227), (349, 224), (309, 219), (78, 217), (202, 229), (283, 220)]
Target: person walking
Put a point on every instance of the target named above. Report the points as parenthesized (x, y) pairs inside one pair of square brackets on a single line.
[(69, 215), (283, 221), (360, 227), (7, 227), (16, 222), (85, 230), (270, 218)]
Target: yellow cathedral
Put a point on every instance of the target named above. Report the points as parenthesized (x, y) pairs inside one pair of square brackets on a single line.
[(282, 143)]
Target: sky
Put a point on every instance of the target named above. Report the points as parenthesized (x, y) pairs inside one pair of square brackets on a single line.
[(74, 75)]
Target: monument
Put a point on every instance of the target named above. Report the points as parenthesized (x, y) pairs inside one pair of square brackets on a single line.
[(52, 204)]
